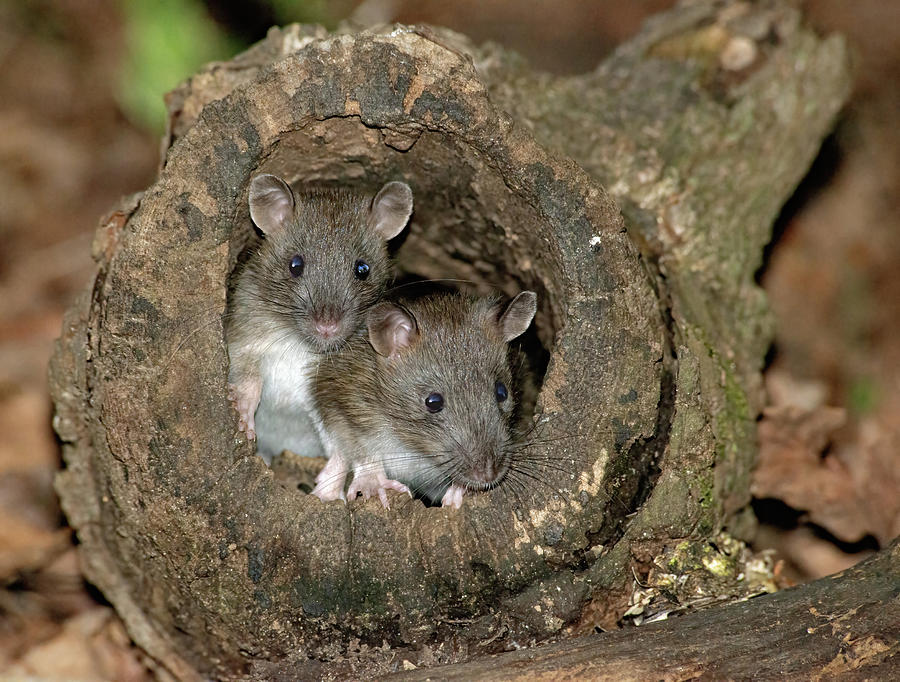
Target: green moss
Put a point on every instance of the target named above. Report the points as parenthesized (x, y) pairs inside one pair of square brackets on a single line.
[(676, 562), (738, 407), (716, 564), (717, 559), (734, 427), (706, 481)]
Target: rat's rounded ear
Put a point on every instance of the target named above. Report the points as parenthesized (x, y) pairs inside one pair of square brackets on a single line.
[(515, 318), (271, 202), (392, 329), (391, 208)]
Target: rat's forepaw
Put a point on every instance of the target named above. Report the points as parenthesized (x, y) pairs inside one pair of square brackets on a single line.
[(245, 399), (248, 426), (374, 483), (330, 481), (453, 497)]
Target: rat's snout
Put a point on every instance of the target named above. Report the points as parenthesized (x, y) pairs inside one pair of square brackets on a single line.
[(485, 474), (483, 456), (327, 328), (328, 323)]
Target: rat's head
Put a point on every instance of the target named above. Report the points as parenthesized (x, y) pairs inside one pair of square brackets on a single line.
[(448, 388), (324, 260)]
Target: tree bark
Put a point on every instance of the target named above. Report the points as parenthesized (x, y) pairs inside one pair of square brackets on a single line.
[(655, 330), (845, 626)]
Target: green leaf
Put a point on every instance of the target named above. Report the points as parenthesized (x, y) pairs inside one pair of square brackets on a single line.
[(167, 41)]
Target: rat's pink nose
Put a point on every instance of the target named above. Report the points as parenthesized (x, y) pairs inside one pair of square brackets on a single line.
[(327, 328), (485, 473)]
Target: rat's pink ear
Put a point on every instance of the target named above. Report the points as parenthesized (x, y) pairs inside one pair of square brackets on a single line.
[(392, 329), (514, 320), (391, 208), (271, 203)]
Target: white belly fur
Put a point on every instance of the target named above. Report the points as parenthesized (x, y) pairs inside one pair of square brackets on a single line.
[(284, 419)]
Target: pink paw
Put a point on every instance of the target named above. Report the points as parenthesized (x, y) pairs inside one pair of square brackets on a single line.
[(453, 497), (245, 399), (374, 482), (330, 481)]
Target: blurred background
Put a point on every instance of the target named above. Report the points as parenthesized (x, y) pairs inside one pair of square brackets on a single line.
[(81, 117)]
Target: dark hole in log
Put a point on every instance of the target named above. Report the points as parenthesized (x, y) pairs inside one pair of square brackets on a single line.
[(469, 231), (467, 223)]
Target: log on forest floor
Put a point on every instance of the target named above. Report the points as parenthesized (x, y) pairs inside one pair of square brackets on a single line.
[(650, 334), (845, 626)]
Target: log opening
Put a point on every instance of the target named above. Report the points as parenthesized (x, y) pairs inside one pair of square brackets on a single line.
[(469, 229), (276, 573)]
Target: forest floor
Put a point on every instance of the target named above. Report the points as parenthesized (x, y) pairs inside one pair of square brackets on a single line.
[(829, 474)]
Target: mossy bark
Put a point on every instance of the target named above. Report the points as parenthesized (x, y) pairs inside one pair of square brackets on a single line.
[(654, 326), (845, 626)]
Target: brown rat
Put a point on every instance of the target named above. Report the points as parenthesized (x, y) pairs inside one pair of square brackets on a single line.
[(300, 296), (425, 402)]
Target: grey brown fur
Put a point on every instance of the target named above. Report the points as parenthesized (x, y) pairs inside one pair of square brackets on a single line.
[(280, 325), (371, 398)]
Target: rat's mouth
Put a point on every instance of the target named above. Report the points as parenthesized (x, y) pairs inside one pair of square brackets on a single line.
[(328, 344), (329, 327), (482, 478), (327, 336)]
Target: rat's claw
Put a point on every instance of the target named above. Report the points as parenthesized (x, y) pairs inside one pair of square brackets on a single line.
[(248, 426), (382, 495), (390, 484), (244, 398), (330, 481), (327, 493), (369, 483), (453, 497)]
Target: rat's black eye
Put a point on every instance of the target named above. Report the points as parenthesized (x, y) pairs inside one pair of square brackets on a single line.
[(500, 391), (434, 402), (296, 265), (361, 269)]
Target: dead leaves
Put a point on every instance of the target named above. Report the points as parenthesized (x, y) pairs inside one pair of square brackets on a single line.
[(847, 486)]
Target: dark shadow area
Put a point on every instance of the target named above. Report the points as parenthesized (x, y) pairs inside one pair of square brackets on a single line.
[(816, 181)]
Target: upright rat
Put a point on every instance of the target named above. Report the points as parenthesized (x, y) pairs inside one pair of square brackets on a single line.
[(424, 401), (304, 292)]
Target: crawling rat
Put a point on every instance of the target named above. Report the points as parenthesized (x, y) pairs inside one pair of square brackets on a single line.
[(425, 401), (304, 292)]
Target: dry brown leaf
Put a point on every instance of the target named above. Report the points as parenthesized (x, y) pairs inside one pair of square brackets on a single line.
[(810, 557), (23, 547), (851, 492), (91, 646)]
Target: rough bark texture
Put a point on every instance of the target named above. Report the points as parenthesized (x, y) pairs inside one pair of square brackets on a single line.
[(654, 326), (845, 626)]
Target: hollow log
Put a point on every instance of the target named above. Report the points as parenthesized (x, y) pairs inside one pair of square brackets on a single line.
[(635, 200)]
